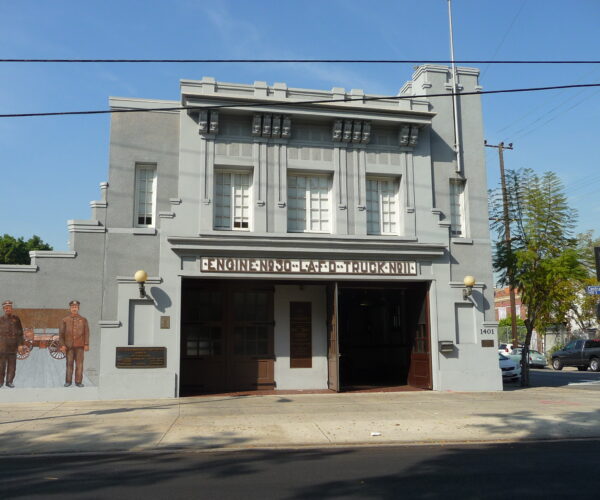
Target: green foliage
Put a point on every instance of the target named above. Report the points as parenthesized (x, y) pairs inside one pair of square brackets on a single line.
[(542, 258), (507, 322), (555, 348), (16, 250)]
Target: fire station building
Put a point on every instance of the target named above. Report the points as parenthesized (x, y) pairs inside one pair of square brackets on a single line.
[(291, 239)]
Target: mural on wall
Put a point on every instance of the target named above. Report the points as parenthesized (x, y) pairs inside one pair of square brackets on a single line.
[(11, 342), (43, 347)]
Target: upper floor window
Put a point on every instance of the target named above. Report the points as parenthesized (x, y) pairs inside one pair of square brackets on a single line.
[(457, 208), (382, 203), (309, 203), (232, 200), (145, 194)]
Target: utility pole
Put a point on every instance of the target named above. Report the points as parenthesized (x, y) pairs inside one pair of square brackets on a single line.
[(511, 291)]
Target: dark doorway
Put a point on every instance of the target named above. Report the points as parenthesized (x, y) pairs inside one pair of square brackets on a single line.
[(384, 336), (226, 337)]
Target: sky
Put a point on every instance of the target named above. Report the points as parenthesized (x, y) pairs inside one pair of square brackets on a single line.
[(51, 166)]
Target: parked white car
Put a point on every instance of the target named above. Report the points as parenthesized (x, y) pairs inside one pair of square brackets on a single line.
[(536, 359), (505, 348), (511, 370)]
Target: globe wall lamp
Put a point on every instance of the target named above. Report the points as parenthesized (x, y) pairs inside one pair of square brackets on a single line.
[(469, 282), (140, 277)]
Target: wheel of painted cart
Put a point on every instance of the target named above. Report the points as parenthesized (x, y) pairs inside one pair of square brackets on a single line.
[(595, 364), (557, 364), (23, 355), (54, 350), (28, 346), (582, 368)]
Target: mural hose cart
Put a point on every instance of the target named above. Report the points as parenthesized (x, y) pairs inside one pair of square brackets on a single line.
[(54, 348), (27, 344)]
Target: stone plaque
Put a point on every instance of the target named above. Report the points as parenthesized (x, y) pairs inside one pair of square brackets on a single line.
[(487, 343), (300, 335), (141, 357), (165, 322)]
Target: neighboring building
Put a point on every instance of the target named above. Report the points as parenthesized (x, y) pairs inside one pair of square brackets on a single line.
[(502, 304), (290, 245)]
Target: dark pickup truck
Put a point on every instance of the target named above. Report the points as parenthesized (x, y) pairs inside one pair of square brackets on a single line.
[(579, 353)]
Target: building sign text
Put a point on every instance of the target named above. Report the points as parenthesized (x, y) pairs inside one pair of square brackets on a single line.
[(307, 266)]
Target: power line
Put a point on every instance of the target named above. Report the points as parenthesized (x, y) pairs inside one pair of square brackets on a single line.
[(296, 103), (323, 61), (504, 37)]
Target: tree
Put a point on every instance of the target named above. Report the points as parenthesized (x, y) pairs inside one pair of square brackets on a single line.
[(582, 310), (542, 259), (16, 250), (508, 322)]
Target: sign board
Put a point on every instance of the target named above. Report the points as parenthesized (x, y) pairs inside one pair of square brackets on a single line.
[(300, 335), (593, 290), (307, 266), (141, 357)]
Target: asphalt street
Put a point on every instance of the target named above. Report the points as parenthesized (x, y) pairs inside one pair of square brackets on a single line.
[(492, 471), (569, 378)]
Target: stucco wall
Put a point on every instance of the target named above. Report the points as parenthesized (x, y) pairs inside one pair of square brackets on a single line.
[(300, 378)]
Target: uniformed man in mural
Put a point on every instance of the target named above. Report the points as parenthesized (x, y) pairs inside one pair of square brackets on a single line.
[(11, 342), (74, 340)]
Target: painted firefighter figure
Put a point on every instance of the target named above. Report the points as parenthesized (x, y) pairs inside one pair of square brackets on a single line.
[(74, 334), (11, 342)]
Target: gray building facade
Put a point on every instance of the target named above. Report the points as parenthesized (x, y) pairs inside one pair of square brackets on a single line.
[(293, 240)]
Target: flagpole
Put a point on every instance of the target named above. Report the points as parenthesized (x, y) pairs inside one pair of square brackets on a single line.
[(457, 141)]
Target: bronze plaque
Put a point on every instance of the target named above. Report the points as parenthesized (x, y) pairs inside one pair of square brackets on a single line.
[(300, 335), (165, 322), (141, 357), (487, 343)]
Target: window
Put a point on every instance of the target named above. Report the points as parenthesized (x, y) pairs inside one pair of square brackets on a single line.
[(457, 208), (308, 203), (232, 200), (145, 194), (501, 312), (382, 200)]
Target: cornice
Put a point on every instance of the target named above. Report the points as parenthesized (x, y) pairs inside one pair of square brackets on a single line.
[(303, 244)]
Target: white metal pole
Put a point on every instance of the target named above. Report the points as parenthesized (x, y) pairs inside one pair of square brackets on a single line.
[(455, 96)]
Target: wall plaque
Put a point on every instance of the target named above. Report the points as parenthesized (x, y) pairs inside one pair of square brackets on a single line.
[(165, 322), (487, 343), (307, 266), (141, 357), (300, 335)]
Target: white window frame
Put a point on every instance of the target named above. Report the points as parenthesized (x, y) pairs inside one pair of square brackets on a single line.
[(232, 197), (307, 200), (137, 213), (395, 183), (502, 314), (458, 228)]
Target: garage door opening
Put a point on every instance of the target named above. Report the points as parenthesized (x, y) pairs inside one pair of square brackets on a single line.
[(383, 337), (226, 337)]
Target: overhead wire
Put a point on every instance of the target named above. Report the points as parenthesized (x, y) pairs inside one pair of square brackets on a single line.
[(311, 61), (483, 71), (297, 103)]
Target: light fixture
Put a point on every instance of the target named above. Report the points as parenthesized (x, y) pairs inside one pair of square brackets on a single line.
[(140, 277), (469, 282)]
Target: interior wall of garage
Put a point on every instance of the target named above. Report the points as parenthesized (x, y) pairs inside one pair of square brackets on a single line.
[(300, 378)]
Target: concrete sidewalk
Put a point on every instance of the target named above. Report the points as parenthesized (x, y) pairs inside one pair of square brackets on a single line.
[(230, 422)]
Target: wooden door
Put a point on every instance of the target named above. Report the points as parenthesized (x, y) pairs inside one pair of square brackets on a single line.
[(203, 342), (333, 348), (250, 330), (226, 338), (419, 374)]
